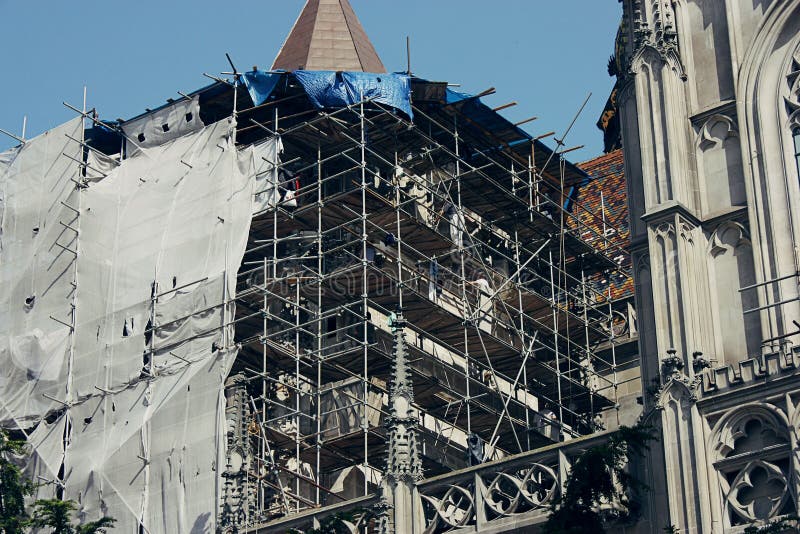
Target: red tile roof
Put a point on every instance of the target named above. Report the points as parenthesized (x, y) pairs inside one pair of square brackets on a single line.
[(601, 204)]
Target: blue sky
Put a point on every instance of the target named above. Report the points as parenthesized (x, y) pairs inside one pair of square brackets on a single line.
[(545, 54)]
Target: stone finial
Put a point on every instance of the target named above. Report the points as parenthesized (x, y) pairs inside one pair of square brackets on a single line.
[(403, 461), (397, 508)]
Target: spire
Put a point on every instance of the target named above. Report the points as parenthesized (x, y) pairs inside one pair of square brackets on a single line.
[(403, 465), (328, 36)]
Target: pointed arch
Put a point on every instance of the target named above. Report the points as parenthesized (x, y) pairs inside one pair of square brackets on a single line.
[(771, 173)]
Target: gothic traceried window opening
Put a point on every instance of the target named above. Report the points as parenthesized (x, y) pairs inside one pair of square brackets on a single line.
[(796, 141), (754, 466)]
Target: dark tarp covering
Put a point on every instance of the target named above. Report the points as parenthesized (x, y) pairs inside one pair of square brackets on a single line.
[(260, 84), (329, 89)]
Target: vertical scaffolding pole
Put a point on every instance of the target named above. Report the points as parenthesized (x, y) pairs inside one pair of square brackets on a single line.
[(260, 490), (60, 482), (365, 290), (589, 370), (399, 240), (464, 304), (613, 351), (298, 390), (530, 186), (517, 269), (554, 305), (274, 264), (319, 323)]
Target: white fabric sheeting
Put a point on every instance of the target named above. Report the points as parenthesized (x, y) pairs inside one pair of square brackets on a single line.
[(32, 368), (150, 452), (34, 181), (155, 218), (177, 214), (46, 444), (180, 118), (98, 166), (188, 322), (266, 159)]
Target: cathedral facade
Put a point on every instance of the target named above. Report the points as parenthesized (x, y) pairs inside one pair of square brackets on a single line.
[(708, 101)]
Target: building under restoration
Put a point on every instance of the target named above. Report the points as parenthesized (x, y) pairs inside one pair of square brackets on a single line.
[(308, 290)]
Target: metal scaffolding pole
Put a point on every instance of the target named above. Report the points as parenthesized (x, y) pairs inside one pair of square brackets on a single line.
[(331, 237), (365, 291)]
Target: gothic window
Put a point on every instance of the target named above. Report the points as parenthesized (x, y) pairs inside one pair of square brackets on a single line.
[(753, 460), (793, 106), (796, 140)]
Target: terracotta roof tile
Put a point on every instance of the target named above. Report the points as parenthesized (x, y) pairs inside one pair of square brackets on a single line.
[(601, 204)]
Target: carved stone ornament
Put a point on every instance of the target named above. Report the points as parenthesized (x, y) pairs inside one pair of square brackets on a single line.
[(672, 373), (758, 492), (711, 135), (699, 362), (750, 448), (793, 100), (671, 365), (729, 235), (506, 494), (659, 37)]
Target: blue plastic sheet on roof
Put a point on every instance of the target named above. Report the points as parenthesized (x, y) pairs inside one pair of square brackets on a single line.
[(260, 84), (455, 96), (329, 89)]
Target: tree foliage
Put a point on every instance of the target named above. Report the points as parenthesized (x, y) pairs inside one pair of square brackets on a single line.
[(47, 513), (13, 487), (597, 479), (338, 523), (55, 513)]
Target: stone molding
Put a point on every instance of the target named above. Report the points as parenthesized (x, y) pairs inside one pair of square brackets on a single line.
[(747, 372)]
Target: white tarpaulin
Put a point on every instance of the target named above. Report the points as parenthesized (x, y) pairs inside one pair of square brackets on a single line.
[(46, 444), (162, 125), (266, 159), (152, 275), (175, 214), (162, 237), (151, 453), (36, 271)]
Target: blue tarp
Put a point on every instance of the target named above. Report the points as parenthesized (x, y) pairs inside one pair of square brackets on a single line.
[(455, 96), (260, 84), (329, 89)]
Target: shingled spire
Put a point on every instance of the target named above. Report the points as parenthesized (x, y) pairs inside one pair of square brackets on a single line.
[(328, 36)]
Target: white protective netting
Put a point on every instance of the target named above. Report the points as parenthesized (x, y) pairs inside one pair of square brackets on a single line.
[(162, 236), (36, 272)]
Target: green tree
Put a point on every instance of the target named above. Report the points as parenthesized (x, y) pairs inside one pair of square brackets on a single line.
[(598, 477), (338, 523), (55, 514), (13, 487), (52, 513)]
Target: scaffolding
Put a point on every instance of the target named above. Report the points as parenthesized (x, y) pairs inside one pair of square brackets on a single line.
[(466, 228), (455, 216)]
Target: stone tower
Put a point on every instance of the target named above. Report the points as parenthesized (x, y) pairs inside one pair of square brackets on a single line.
[(708, 98)]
